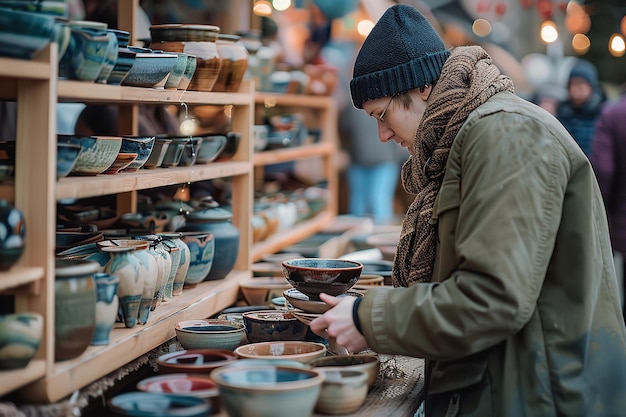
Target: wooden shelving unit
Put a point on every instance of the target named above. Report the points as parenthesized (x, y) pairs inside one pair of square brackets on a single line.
[(35, 87)]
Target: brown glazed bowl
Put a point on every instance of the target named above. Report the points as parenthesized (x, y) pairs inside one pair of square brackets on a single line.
[(369, 363), (312, 276), (273, 325)]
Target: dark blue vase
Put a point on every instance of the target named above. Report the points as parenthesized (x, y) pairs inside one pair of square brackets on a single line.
[(12, 232)]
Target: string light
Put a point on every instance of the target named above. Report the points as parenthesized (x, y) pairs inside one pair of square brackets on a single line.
[(617, 46), (549, 32)]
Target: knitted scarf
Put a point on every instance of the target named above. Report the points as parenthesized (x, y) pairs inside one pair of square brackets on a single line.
[(468, 79)]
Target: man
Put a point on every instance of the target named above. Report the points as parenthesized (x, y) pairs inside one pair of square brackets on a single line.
[(505, 268)]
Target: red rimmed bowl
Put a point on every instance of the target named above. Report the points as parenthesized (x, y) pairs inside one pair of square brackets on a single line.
[(195, 361)]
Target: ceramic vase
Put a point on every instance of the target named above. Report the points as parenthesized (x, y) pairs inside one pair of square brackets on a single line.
[(174, 252), (164, 266), (107, 305), (20, 337), (183, 264), (217, 220), (12, 232), (74, 307), (127, 267), (201, 252), (150, 271)]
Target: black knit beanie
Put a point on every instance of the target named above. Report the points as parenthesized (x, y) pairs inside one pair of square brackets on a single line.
[(401, 53)]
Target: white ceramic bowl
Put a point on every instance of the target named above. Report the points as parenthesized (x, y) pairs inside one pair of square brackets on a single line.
[(343, 391)]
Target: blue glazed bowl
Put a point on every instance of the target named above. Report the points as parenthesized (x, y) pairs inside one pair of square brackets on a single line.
[(23, 34), (12, 234), (176, 74), (98, 154), (67, 154), (152, 404), (212, 147), (125, 61), (150, 68), (142, 146), (86, 54), (46, 7), (20, 336), (267, 390)]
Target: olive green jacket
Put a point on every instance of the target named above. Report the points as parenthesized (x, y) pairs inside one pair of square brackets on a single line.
[(522, 317)]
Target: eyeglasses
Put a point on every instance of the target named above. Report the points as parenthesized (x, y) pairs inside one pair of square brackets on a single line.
[(382, 114)]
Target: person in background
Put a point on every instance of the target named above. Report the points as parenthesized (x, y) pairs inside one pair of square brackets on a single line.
[(504, 269), (585, 98), (549, 96), (608, 157)]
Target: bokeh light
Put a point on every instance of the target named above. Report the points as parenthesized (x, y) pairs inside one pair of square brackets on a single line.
[(481, 27)]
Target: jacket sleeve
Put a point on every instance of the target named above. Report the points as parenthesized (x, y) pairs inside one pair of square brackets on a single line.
[(511, 174)]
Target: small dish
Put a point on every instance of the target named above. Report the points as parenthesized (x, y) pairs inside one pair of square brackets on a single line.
[(194, 360), (304, 303), (292, 350)]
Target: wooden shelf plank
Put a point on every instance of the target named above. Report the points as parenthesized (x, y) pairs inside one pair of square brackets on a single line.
[(295, 234), (292, 100), (18, 276), (295, 153), (205, 300), (81, 91), (82, 187), (15, 379), (24, 69)]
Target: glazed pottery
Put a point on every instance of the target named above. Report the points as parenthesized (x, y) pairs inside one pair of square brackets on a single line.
[(369, 363), (151, 221), (74, 307), (86, 54), (125, 61), (212, 147), (174, 252), (292, 350), (343, 391), (12, 234), (216, 220), (176, 74), (24, 34), (123, 160), (193, 39), (234, 56), (192, 385), (20, 337), (232, 144), (148, 269), (209, 334), (67, 154), (158, 153), (150, 68), (305, 303), (173, 153), (152, 404), (273, 325), (190, 70), (164, 264), (260, 291), (142, 146), (195, 360), (201, 252), (127, 267), (183, 262), (107, 305), (268, 390), (99, 152), (312, 276)]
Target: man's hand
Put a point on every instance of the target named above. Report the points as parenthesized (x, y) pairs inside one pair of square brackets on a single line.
[(337, 323)]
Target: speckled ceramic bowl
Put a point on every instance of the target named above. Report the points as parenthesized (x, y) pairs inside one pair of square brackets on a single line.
[(209, 334), (312, 276), (150, 68), (142, 146), (99, 153)]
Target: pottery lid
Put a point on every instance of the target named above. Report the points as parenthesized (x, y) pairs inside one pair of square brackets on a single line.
[(209, 215), (69, 268)]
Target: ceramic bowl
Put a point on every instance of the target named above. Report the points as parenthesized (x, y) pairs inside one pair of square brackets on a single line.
[(308, 305), (24, 34), (343, 391), (67, 154), (158, 153), (20, 336), (150, 68), (382, 267), (68, 240), (273, 325), (201, 251), (188, 148), (292, 350), (232, 144), (312, 276), (125, 61), (244, 363), (98, 153), (193, 385), (176, 74), (212, 147), (123, 160), (209, 334), (268, 390), (142, 146), (173, 154), (369, 363), (194, 361), (152, 404), (190, 70), (87, 53), (260, 291), (151, 222)]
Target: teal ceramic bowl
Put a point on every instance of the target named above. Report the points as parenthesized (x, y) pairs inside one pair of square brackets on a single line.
[(125, 61), (150, 68), (212, 147), (23, 34), (209, 334), (67, 154), (142, 146), (98, 154), (201, 252), (176, 74), (158, 153), (152, 404), (86, 54), (20, 336), (268, 390)]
